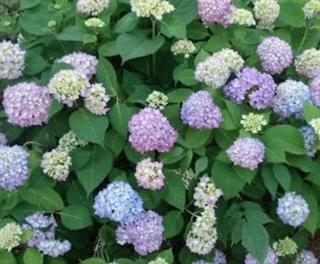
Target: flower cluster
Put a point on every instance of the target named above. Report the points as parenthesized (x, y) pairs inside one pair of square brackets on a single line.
[(14, 169), (68, 85), (271, 258), (145, 233), (158, 260), (310, 138), (206, 194), (253, 123), (285, 247), (118, 202), (69, 142), (151, 131), (12, 60), (94, 22), (290, 98), (315, 91), (81, 62), (259, 87), (242, 17), (199, 111), (151, 8), (3, 139), (157, 100), (275, 54), (96, 99), (187, 177), (315, 124), (54, 248), (203, 235), (308, 63), (293, 209), (266, 11), (311, 8), (247, 153), (27, 104), (219, 258), (217, 68), (10, 236), (306, 257), (92, 7), (56, 164), (149, 174), (216, 11), (183, 47)]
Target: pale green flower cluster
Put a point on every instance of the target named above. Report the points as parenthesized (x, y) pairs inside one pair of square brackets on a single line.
[(315, 124), (92, 7), (158, 260), (308, 63), (10, 236), (151, 8), (69, 142), (187, 177), (157, 100), (242, 17), (311, 8), (183, 47), (94, 22), (266, 11), (96, 99), (285, 247), (232, 58), (253, 123)]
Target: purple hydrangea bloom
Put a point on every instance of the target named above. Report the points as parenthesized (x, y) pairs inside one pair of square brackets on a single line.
[(272, 258), (306, 257), (145, 234), (85, 63), (118, 202), (216, 11), (290, 98), (293, 209), (150, 130), (247, 153), (275, 54), (310, 138), (27, 104), (259, 87), (14, 170), (199, 111), (315, 91), (54, 248), (219, 257)]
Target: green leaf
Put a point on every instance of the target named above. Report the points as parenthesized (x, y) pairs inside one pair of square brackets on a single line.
[(292, 13), (171, 27), (127, 23), (26, 236), (173, 224), (196, 138), (76, 217), (89, 127), (311, 112), (201, 165), (7, 257), (119, 118), (108, 77), (174, 155), (32, 256), (96, 170), (175, 191), (25, 4), (185, 76), (269, 181), (137, 45), (282, 174), (167, 255), (72, 33), (179, 95), (93, 261), (45, 198)]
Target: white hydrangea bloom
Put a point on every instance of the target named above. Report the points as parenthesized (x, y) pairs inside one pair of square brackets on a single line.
[(157, 100), (315, 124), (183, 47), (10, 236), (242, 17), (253, 123), (266, 11), (69, 142), (92, 7), (94, 22), (151, 8), (311, 9), (96, 99)]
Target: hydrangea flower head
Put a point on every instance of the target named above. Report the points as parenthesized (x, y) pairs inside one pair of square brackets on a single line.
[(293, 209), (94, 22), (151, 8), (145, 234), (275, 55), (285, 247), (242, 17), (306, 257), (56, 164), (157, 100), (70, 141), (215, 11), (96, 99), (206, 194), (118, 202), (219, 257), (272, 258), (14, 169), (310, 138), (253, 123), (199, 111), (290, 98), (150, 130), (308, 63), (315, 124), (158, 260), (82, 62), (315, 91), (258, 87), (10, 236), (27, 104), (92, 7), (183, 47), (68, 85), (54, 248), (149, 174), (3, 139), (311, 9), (12, 60), (247, 153), (266, 11)]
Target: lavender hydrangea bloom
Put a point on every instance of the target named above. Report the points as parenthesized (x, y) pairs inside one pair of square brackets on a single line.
[(216, 11), (150, 130), (306, 257), (247, 153), (272, 258), (40, 220), (145, 234), (275, 54), (310, 138), (118, 202), (258, 87), (219, 257), (290, 99), (13, 167), (293, 209), (3, 139), (315, 91), (27, 104), (200, 112), (85, 63), (54, 248)]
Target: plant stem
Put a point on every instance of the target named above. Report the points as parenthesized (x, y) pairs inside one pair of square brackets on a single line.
[(154, 24)]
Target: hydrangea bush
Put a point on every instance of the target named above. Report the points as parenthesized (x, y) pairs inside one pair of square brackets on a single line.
[(159, 131)]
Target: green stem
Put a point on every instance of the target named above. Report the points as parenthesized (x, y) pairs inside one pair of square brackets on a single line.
[(303, 39), (154, 24), (32, 143)]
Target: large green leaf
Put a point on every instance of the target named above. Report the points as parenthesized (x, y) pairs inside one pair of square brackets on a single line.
[(119, 117), (175, 192), (76, 217), (32, 256)]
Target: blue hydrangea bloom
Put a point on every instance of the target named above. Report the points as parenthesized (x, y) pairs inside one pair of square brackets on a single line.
[(118, 202), (310, 138), (306, 257)]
